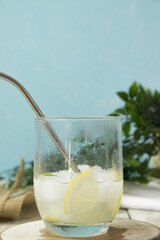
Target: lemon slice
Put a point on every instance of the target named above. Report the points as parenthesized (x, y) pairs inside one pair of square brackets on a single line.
[(51, 219), (82, 194), (118, 203), (113, 174), (116, 176)]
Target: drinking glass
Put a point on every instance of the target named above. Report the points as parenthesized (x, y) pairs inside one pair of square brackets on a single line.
[(78, 203)]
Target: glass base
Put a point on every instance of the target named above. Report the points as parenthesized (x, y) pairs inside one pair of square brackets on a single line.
[(67, 230)]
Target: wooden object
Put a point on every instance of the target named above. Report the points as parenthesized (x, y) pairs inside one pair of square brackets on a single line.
[(152, 217), (120, 229)]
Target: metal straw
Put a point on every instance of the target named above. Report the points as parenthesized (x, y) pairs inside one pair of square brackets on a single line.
[(41, 116)]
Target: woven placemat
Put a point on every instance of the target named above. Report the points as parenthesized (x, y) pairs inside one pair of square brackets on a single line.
[(12, 200)]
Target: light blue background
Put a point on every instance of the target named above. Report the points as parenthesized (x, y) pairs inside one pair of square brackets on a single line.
[(72, 56)]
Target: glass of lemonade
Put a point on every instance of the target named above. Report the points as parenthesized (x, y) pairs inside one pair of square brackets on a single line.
[(71, 203)]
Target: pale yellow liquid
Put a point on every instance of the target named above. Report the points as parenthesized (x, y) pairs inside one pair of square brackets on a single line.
[(50, 192)]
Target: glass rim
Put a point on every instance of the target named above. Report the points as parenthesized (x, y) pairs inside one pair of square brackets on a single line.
[(78, 117)]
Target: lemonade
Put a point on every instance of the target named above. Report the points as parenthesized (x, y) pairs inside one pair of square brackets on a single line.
[(90, 198), (78, 176)]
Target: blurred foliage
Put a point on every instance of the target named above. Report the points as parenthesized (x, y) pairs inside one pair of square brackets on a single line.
[(141, 132), (87, 151), (90, 152), (10, 175), (53, 162), (141, 140)]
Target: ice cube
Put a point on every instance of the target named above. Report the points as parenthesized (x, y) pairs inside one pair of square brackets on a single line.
[(51, 190)]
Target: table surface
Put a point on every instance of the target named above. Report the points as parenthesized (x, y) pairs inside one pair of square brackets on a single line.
[(30, 213)]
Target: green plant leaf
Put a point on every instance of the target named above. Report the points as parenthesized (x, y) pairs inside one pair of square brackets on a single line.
[(113, 114), (121, 111), (123, 95), (136, 134), (156, 95), (133, 90), (126, 128), (134, 162)]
